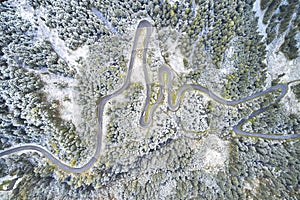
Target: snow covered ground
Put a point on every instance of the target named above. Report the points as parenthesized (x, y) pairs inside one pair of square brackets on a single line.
[(69, 108)]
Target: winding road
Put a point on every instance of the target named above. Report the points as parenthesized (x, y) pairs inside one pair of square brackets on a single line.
[(147, 112)]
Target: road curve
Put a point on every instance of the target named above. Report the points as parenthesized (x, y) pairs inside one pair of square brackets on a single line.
[(173, 106), (148, 110), (32, 147)]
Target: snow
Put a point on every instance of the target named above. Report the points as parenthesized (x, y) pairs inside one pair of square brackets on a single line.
[(176, 58), (8, 194), (278, 64), (216, 152), (260, 13), (172, 2), (69, 110), (6, 178), (211, 154), (28, 13), (167, 188), (228, 66), (137, 70), (5, 194), (291, 104), (59, 46)]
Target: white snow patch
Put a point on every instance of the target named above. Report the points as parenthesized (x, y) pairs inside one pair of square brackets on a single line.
[(26, 12), (228, 66), (278, 64), (259, 13), (69, 109), (252, 185), (297, 38), (291, 104), (59, 46), (137, 74), (172, 2), (70, 56), (176, 58), (7, 178), (105, 121), (137, 70), (167, 188), (5, 194), (8, 194), (211, 154)]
